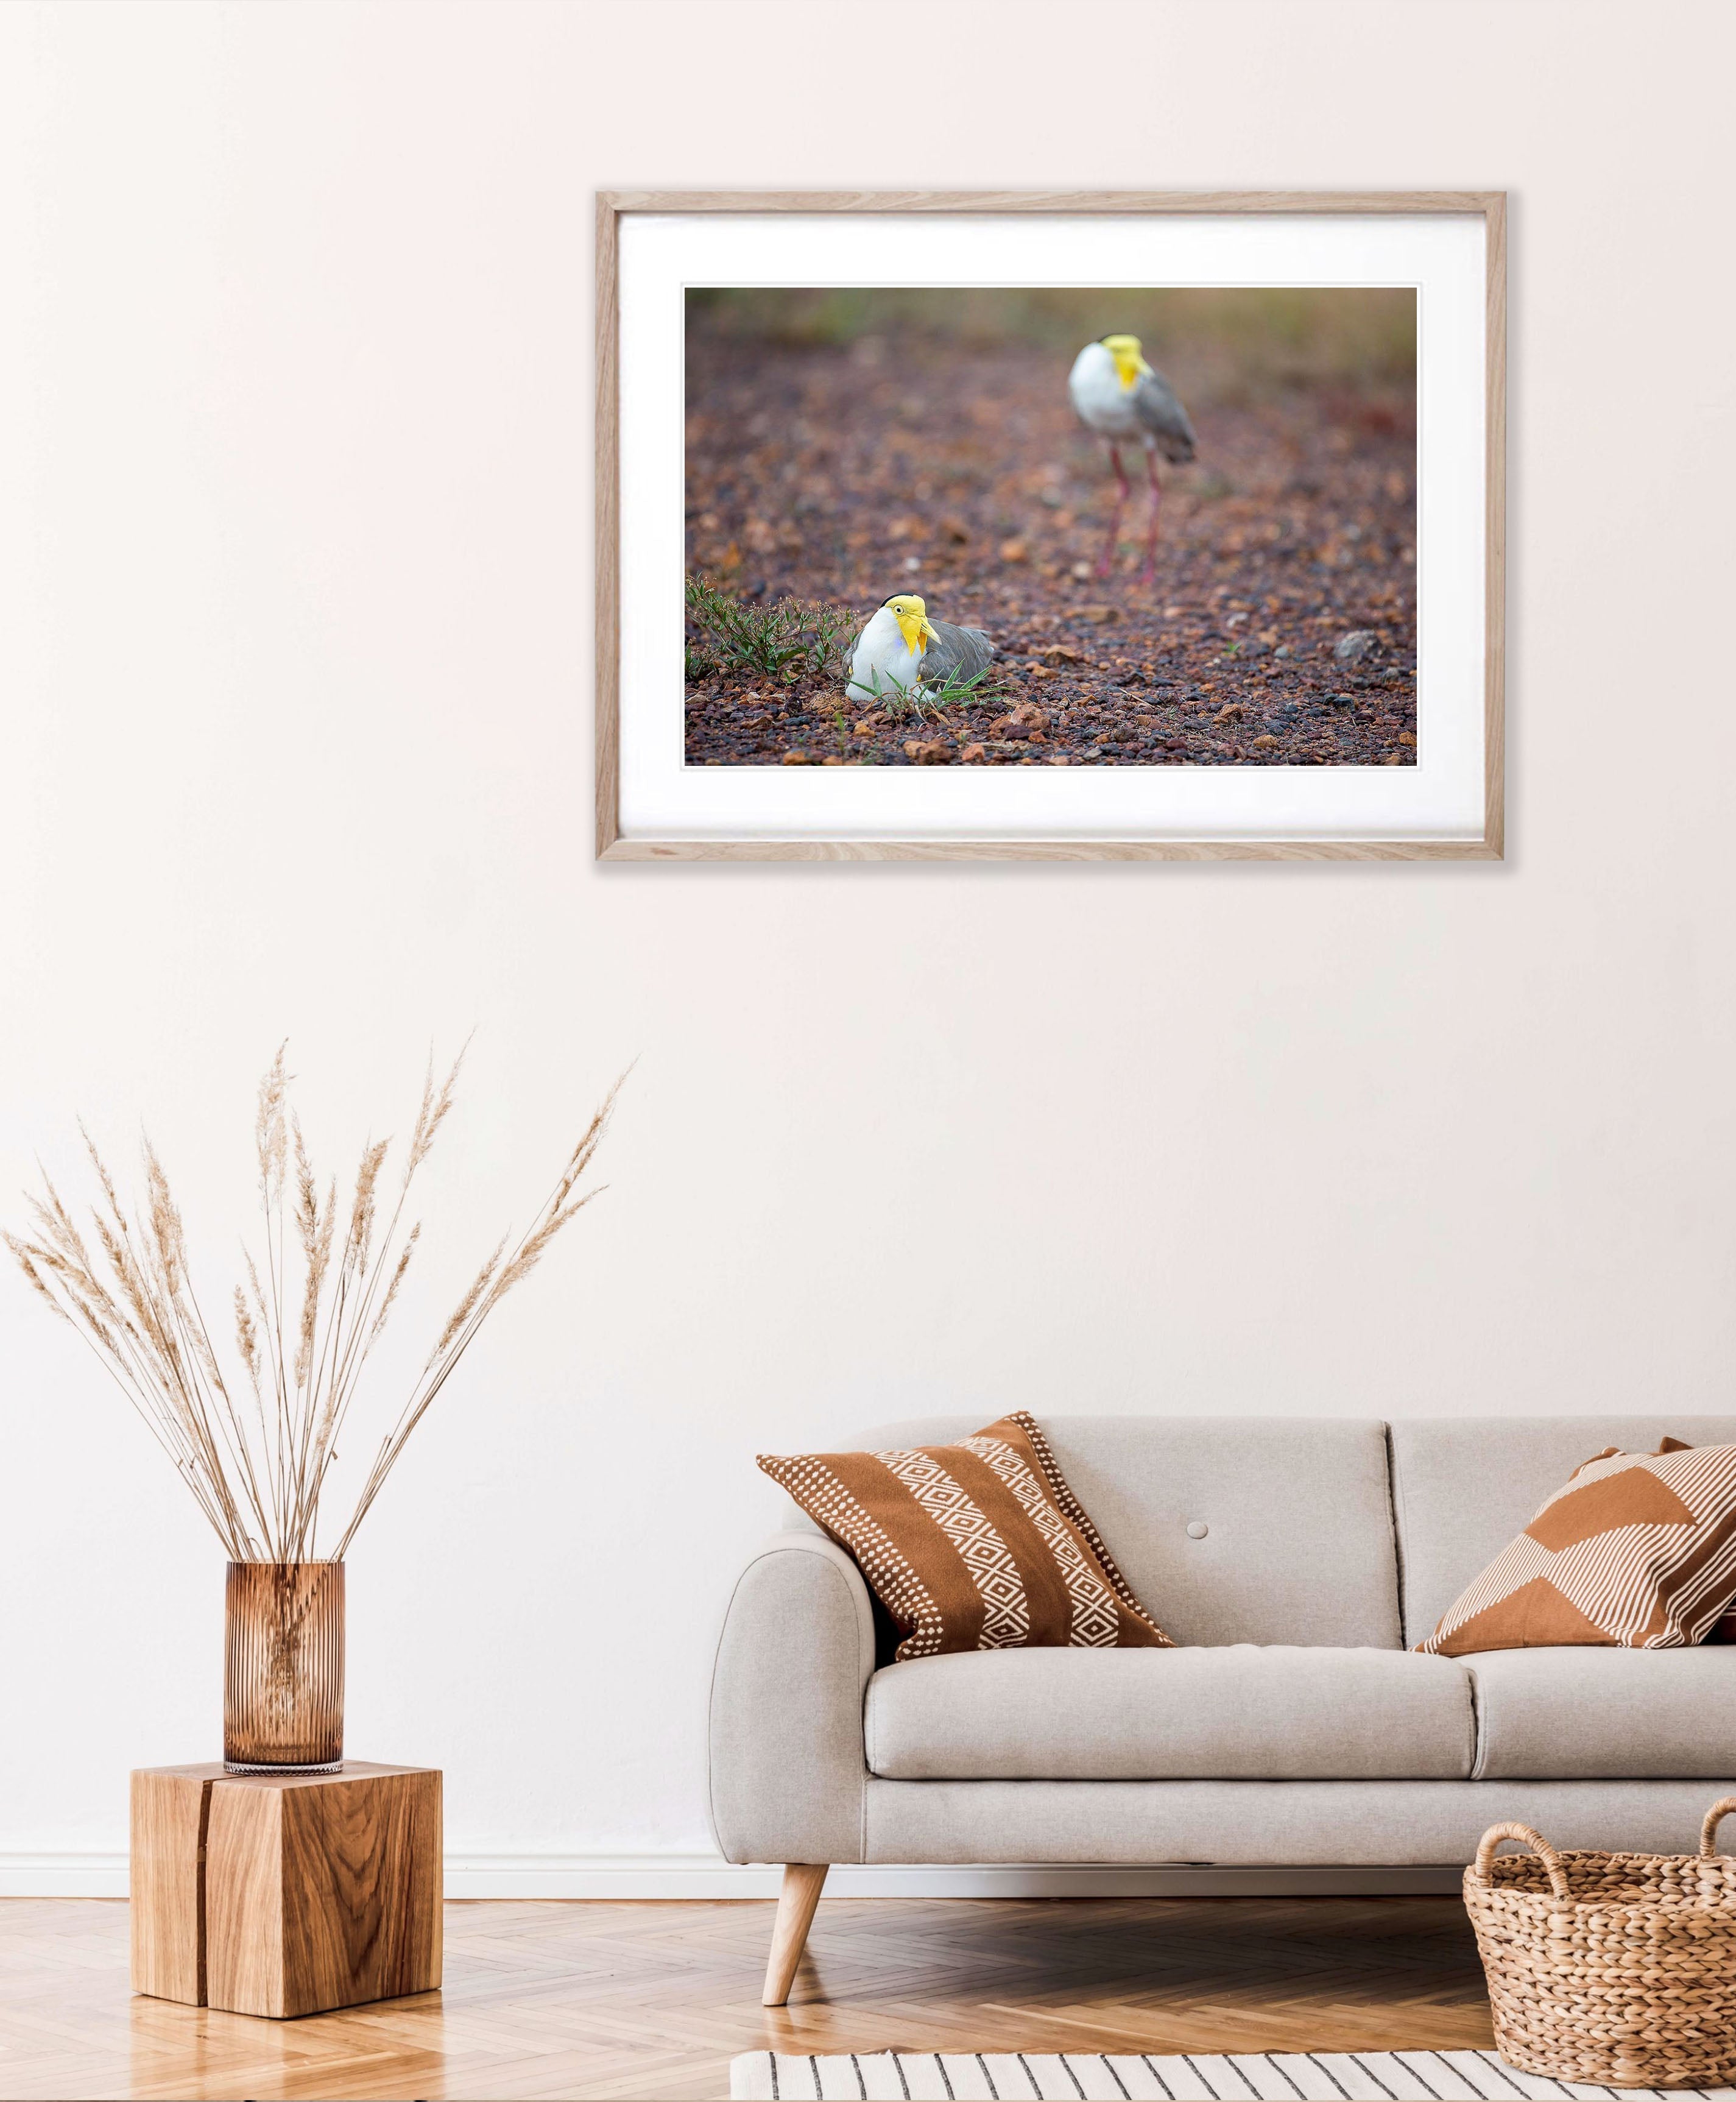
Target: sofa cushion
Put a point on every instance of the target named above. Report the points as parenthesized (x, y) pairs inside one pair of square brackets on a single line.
[(1173, 1714), (1235, 1528), (975, 1544), (1463, 1487), (1603, 1714), (1723, 1629), (1636, 1551)]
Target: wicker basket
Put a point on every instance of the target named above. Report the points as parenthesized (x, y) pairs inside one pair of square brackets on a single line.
[(1618, 1969)]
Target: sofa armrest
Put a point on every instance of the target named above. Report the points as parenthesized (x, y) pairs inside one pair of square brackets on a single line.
[(788, 1773)]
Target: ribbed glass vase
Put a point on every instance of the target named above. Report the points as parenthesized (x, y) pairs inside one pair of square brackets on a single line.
[(283, 1668)]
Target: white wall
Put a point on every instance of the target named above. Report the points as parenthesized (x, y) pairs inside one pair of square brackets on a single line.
[(294, 578)]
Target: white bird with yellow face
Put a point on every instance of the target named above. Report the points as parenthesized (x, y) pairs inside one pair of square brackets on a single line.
[(902, 647), (1120, 396)]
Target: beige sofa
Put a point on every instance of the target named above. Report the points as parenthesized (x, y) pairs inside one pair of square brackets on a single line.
[(1297, 1560)]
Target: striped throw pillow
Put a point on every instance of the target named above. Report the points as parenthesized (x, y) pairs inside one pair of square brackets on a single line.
[(1638, 1551), (1723, 1629), (976, 1546)]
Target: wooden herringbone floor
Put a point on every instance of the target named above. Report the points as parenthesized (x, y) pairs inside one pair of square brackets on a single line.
[(652, 2000)]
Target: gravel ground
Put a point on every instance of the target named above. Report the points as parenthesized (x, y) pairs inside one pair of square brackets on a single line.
[(1279, 629)]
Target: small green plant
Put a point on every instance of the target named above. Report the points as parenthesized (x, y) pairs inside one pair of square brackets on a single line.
[(952, 691), (787, 640), (971, 693)]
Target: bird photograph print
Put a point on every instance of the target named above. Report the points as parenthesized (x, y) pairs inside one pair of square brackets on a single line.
[(1026, 527)]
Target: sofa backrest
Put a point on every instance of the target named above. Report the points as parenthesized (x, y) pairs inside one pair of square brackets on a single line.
[(1463, 1487), (1298, 1538)]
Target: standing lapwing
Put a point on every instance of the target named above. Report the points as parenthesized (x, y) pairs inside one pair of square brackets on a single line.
[(1119, 396)]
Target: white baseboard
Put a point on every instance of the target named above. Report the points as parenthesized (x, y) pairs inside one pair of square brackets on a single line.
[(63, 1875), (95, 1875), (703, 1876)]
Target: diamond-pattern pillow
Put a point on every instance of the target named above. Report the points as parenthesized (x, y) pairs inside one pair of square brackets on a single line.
[(976, 1546), (1638, 1551)]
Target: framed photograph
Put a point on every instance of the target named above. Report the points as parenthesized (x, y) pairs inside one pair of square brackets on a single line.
[(1050, 527)]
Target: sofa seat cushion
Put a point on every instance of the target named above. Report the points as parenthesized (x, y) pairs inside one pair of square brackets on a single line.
[(1239, 1713), (1603, 1714)]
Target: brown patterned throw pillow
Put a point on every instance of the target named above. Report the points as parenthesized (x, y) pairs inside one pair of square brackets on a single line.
[(1723, 1629), (976, 1546), (1638, 1551)]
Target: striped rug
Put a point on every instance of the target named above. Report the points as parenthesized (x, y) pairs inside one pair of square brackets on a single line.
[(1312, 2076)]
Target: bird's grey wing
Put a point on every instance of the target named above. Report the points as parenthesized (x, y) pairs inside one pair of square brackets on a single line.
[(958, 652), (847, 650), (1154, 403)]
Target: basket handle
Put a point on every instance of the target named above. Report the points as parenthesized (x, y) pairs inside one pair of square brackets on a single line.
[(1540, 1848), (1709, 1830)]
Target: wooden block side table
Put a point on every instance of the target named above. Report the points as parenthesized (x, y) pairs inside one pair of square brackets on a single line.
[(285, 1894)]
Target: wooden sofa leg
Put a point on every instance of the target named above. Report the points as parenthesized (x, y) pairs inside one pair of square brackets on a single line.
[(803, 1884)]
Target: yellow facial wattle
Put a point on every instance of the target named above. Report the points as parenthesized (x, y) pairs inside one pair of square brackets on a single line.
[(1129, 364), (913, 625)]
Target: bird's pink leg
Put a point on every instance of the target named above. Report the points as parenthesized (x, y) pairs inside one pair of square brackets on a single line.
[(1106, 559), (1149, 570)]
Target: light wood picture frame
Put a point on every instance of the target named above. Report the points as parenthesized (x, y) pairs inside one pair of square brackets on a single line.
[(1478, 836)]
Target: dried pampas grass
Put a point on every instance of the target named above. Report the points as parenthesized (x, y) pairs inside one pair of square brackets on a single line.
[(255, 1456)]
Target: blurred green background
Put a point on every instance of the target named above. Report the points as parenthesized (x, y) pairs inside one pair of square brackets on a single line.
[(1227, 342)]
